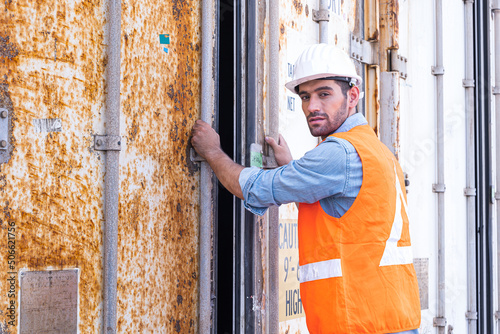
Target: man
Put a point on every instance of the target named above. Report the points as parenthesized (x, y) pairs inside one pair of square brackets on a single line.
[(356, 269)]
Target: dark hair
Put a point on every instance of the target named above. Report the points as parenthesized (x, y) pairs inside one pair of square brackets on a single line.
[(344, 87)]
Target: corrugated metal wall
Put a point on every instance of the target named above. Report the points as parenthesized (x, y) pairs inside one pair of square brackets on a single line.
[(53, 63)]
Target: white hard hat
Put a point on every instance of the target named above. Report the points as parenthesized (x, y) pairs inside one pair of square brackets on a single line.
[(321, 61)]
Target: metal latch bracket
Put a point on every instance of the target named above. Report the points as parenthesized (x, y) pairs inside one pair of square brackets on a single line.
[(4, 128), (439, 322), (438, 188), (194, 156), (364, 51), (468, 83), (398, 64), (471, 315), (107, 143), (321, 15), (496, 90), (470, 192), (437, 70)]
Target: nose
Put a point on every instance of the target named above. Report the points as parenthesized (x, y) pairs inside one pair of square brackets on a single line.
[(314, 104)]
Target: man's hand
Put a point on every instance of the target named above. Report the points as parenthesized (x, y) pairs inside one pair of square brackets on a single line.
[(207, 143), (205, 140), (281, 150)]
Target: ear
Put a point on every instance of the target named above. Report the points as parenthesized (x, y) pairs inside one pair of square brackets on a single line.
[(353, 97)]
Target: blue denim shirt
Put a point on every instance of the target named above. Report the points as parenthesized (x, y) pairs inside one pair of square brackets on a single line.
[(331, 173)]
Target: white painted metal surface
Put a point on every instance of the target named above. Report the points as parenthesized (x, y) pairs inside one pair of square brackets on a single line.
[(418, 154)]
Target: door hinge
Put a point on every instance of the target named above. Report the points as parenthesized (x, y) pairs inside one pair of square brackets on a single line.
[(364, 51), (399, 64), (107, 143), (4, 128), (321, 15)]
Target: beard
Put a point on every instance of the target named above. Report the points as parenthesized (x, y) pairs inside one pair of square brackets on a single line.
[(330, 124)]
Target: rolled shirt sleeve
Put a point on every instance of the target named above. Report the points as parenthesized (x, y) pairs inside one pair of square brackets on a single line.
[(322, 172)]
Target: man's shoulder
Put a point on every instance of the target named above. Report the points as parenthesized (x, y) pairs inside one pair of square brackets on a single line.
[(335, 143)]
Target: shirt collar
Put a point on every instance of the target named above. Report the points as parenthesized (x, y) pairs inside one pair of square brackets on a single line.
[(351, 122)]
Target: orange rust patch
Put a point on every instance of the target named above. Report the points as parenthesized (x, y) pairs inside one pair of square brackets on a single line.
[(298, 6)]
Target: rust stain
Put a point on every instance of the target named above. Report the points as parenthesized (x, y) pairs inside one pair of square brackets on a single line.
[(374, 36), (389, 16), (7, 49), (159, 190), (394, 17), (298, 6), (307, 10)]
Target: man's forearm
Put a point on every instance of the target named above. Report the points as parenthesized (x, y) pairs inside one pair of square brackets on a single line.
[(207, 143), (227, 171)]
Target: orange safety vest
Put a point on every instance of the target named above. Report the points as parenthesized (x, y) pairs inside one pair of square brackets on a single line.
[(356, 271)]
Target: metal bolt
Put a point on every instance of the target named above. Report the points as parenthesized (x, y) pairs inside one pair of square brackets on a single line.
[(361, 41), (3, 143), (98, 142), (357, 56), (361, 58), (353, 54), (357, 39), (353, 38), (398, 56), (119, 143), (3, 114), (406, 60)]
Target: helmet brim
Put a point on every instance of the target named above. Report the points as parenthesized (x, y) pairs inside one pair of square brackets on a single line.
[(294, 83)]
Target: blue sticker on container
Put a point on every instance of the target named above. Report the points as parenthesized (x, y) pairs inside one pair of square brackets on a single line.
[(164, 38)]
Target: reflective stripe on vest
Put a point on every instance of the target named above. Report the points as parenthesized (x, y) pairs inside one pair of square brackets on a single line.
[(320, 270), (394, 255)]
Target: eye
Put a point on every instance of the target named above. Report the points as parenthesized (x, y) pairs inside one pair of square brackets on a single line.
[(304, 97), (324, 94)]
